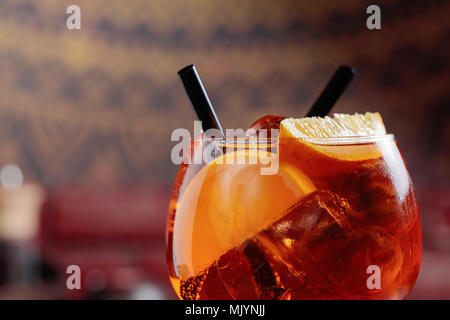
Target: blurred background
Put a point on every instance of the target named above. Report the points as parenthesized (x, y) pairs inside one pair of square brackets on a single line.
[(86, 117)]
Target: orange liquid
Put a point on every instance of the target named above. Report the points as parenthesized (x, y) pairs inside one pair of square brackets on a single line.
[(361, 213)]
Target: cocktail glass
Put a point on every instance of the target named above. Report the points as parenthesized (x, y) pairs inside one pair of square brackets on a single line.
[(337, 220)]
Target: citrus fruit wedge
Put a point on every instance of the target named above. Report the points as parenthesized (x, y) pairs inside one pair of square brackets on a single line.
[(323, 146), (341, 125), (229, 201)]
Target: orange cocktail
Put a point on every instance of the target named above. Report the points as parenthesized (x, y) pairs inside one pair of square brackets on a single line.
[(337, 220)]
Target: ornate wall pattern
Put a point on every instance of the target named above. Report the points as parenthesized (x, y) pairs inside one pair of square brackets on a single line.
[(98, 105)]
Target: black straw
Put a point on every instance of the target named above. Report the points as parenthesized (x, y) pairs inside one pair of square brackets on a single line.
[(199, 98), (335, 87)]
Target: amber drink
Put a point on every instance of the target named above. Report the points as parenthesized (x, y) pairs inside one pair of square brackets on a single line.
[(337, 220)]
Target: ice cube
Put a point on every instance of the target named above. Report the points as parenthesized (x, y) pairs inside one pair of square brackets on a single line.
[(317, 250), (242, 273), (375, 197)]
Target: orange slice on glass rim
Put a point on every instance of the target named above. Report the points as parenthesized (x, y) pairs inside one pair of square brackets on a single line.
[(330, 145)]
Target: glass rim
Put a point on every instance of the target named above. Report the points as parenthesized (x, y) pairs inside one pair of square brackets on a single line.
[(350, 140)]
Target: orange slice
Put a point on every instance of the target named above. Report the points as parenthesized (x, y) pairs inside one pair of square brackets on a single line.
[(341, 125), (324, 146), (228, 202)]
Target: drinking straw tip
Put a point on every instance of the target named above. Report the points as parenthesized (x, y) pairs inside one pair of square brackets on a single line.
[(185, 69), (349, 70)]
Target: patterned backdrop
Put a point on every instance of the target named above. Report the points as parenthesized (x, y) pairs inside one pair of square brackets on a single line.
[(99, 104)]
